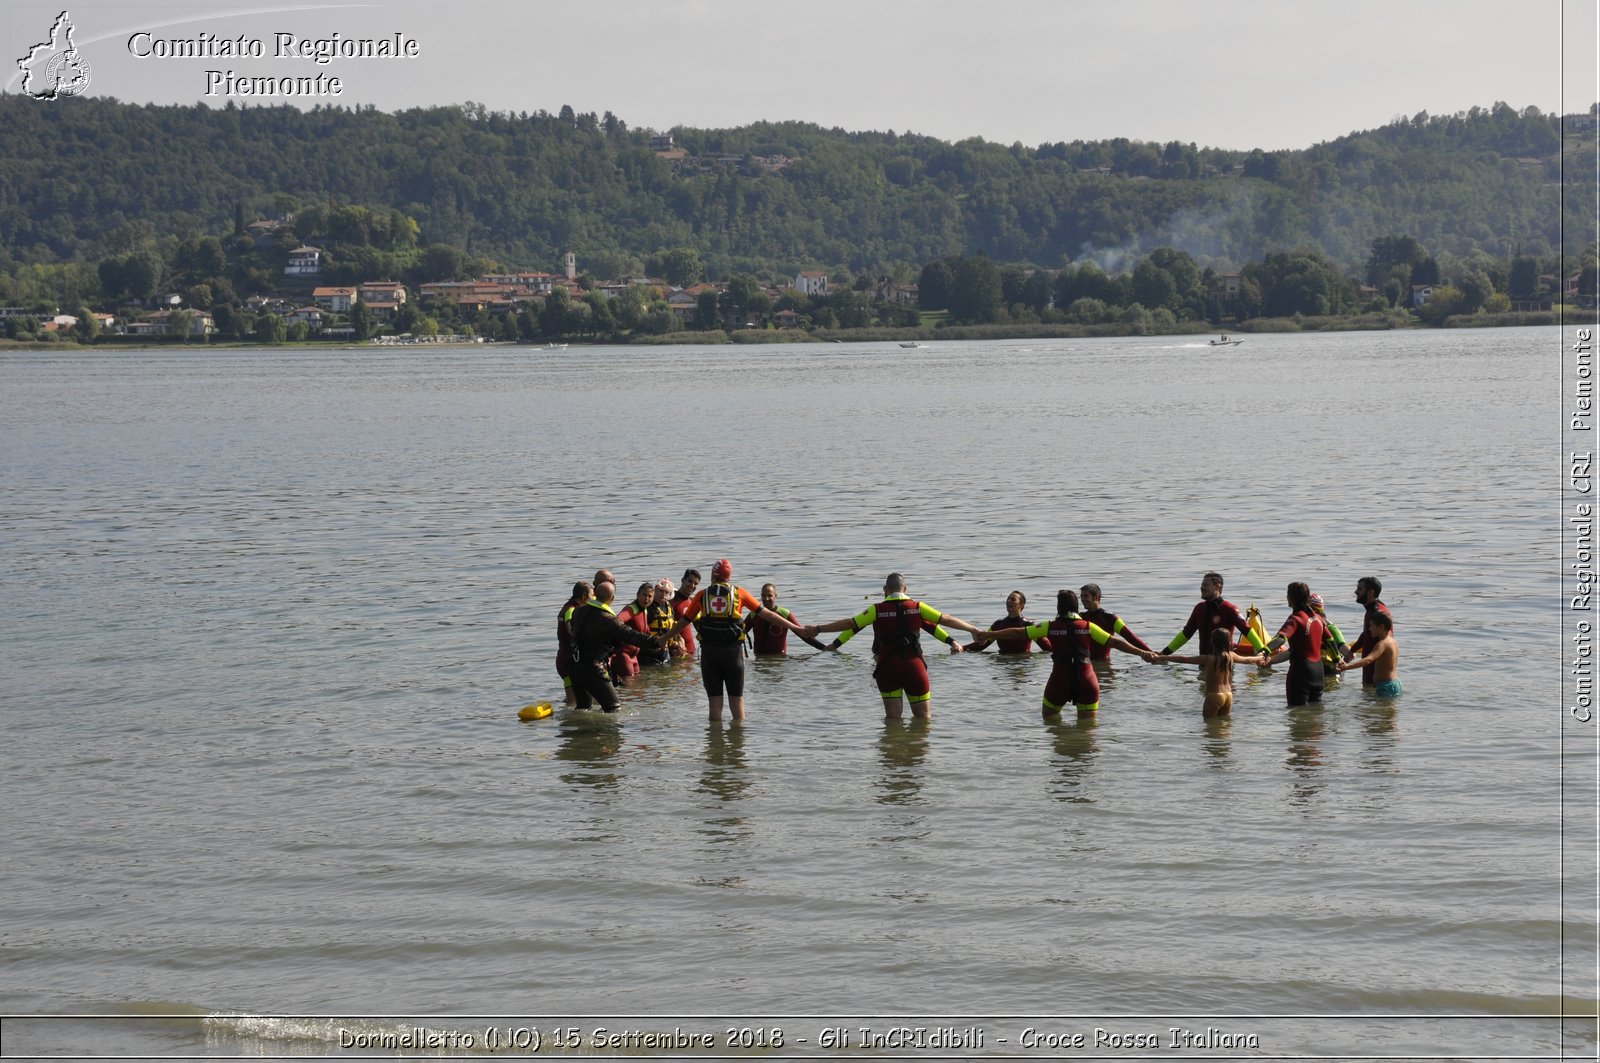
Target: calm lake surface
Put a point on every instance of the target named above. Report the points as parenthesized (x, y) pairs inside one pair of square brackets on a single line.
[(269, 616)]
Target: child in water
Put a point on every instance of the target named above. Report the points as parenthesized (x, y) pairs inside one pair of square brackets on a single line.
[(1384, 656), (1216, 669)]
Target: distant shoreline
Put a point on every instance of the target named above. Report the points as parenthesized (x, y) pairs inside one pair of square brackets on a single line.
[(1259, 327)]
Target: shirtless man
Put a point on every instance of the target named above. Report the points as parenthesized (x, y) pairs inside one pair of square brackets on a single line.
[(1383, 658)]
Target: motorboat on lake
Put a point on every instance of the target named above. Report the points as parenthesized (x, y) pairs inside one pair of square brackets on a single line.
[(1226, 341)]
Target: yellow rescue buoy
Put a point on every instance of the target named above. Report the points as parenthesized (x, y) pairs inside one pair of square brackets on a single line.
[(536, 712)]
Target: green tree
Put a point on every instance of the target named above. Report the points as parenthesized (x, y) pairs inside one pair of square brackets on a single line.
[(934, 285), (975, 293), (1444, 302), (601, 315), (1038, 291), (199, 296), (142, 274), (740, 301), (360, 319), (706, 314), (1476, 288), (1153, 286), (1182, 268), (1087, 311), (1013, 283), (270, 328), (1426, 271), (1524, 279), (554, 318), (1088, 281), (1588, 278), (1387, 252), (87, 327), (442, 262), (203, 257), (181, 323), (681, 267)]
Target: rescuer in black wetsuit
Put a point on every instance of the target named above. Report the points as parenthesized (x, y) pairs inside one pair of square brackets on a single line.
[(596, 633)]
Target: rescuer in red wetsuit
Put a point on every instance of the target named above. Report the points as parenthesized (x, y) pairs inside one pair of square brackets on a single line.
[(1303, 632), (581, 593), (1073, 679), (1010, 644), (680, 603), (1211, 612), (636, 614), (772, 640), (1367, 590), (897, 623), (1089, 595)]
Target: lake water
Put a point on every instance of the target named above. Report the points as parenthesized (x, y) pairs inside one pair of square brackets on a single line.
[(269, 616)]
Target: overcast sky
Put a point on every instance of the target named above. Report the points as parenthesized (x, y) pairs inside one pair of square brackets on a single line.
[(1223, 73)]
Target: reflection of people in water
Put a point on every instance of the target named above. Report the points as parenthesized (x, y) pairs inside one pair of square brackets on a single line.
[(1307, 728), (726, 774), (901, 750), (591, 748), (1075, 750)]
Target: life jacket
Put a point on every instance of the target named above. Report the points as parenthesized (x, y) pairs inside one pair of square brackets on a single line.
[(719, 622), (662, 617), (1069, 639), (897, 628), (1330, 645)]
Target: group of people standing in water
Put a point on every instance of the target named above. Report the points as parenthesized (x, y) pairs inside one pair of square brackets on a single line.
[(600, 646)]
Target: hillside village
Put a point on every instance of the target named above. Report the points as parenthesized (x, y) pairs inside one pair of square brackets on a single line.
[(327, 311), (781, 228), (494, 305), (516, 306), (292, 296)]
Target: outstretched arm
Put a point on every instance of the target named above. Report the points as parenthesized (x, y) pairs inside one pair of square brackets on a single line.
[(959, 624), (1379, 654), (782, 621), (848, 624), (1173, 658), (1032, 631), (1124, 631), (938, 632), (809, 639)]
